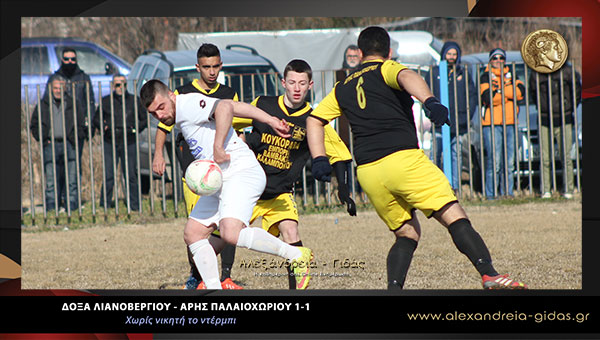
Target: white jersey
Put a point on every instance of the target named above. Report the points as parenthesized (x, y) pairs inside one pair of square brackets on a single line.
[(243, 178), (195, 117)]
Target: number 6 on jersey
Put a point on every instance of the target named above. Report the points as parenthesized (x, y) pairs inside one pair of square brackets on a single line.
[(360, 94)]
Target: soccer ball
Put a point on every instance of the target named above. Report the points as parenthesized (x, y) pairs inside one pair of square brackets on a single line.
[(204, 177)]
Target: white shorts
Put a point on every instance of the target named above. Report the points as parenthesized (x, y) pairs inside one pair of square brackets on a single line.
[(244, 181)]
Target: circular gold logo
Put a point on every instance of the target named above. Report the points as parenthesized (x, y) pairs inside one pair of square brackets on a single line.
[(544, 50)]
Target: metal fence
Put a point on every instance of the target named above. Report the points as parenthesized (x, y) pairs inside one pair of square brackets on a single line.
[(159, 194)]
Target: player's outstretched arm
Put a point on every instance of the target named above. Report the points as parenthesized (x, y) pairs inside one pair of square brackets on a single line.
[(244, 110), (315, 135), (412, 83)]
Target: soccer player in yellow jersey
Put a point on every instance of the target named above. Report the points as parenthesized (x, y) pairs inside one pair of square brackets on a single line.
[(396, 175), (209, 65), (284, 158)]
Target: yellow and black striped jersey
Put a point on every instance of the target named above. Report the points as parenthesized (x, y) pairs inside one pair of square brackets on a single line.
[(378, 109), (283, 158)]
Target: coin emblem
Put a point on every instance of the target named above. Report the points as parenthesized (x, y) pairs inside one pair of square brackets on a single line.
[(544, 50)]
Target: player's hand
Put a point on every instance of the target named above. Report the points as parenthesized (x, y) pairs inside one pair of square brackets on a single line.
[(341, 173), (321, 169), (344, 197), (436, 112), (280, 126), (158, 165), (220, 156)]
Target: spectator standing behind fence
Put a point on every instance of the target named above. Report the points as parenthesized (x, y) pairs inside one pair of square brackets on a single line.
[(451, 53), (567, 102), (57, 126), (75, 76), (114, 122), (494, 153), (351, 61)]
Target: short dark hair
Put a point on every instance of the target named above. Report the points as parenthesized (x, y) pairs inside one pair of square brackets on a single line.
[(150, 89), (68, 49), (208, 50), (299, 66), (374, 40)]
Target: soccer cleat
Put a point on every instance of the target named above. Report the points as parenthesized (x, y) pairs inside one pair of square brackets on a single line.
[(201, 285), (547, 195), (501, 282), (191, 283), (301, 267), (229, 284)]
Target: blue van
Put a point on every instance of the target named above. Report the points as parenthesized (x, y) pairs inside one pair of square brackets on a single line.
[(40, 57)]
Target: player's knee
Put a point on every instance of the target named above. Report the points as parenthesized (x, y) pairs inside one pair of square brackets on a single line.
[(195, 231), (289, 231), (409, 230), (230, 230), (229, 237), (450, 213)]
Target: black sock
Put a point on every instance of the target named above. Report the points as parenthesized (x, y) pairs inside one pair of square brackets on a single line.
[(469, 242), (291, 277), (227, 258), (398, 261)]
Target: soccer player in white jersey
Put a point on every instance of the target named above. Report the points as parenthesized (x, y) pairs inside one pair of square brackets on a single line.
[(206, 126)]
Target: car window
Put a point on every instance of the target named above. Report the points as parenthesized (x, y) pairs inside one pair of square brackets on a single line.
[(34, 60), (160, 74), (419, 58), (252, 81), (184, 77), (145, 75), (90, 61)]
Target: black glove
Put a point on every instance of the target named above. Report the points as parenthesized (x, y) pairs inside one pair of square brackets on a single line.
[(436, 112), (341, 173), (321, 170)]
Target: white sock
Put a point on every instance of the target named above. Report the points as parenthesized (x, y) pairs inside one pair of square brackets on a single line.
[(259, 239), (206, 262)]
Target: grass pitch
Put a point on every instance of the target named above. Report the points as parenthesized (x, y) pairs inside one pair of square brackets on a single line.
[(538, 243)]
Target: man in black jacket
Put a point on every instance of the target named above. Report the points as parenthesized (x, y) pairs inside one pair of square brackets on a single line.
[(560, 92), (76, 78), (451, 53), (54, 120), (119, 130)]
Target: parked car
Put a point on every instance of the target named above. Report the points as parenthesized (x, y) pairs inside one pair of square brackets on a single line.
[(247, 72), (528, 149), (40, 57)]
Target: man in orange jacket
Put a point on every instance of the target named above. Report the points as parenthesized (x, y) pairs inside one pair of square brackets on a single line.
[(497, 88)]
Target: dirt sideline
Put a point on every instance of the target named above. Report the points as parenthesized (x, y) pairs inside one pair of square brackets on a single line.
[(538, 243)]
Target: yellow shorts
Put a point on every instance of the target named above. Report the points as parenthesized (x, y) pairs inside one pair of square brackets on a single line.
[(403, 181), (273, 211), (189, 197)]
